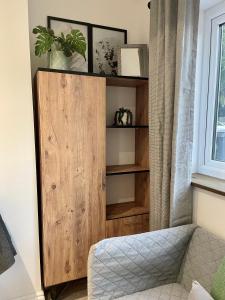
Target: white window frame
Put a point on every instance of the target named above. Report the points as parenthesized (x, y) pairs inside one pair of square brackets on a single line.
[(212, 19)]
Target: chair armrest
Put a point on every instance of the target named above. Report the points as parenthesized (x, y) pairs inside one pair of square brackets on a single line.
[(126, 265)]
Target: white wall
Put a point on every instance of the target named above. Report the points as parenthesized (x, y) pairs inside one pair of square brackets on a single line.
[(18, 201), (209, 211)]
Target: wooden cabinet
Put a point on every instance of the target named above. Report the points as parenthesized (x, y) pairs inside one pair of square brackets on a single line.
[(71, 113), (71, 159)]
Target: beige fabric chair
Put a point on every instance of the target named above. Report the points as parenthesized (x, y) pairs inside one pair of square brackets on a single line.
[(158, 265)]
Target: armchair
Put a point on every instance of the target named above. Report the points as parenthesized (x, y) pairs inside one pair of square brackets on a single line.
[(154, 265)]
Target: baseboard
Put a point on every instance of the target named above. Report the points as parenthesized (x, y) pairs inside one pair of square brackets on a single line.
[(40, 296), (37, 296)]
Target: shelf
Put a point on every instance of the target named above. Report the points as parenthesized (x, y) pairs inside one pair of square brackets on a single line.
[(121, 210), (124, 169), (122, 81), (126, 81), (133, 126)]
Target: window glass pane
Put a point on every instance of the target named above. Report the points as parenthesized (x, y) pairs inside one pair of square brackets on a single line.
[(218, 152)]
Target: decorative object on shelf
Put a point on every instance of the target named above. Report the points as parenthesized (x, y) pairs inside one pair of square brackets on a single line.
[(133, 60), (59, 25), (105, 42), (58, 60), (60, 48), (123, 117)]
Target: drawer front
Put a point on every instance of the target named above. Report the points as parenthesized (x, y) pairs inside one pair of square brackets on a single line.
[(127, 226)]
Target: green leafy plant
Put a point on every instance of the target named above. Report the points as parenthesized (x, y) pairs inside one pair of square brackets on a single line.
[(70, 43)]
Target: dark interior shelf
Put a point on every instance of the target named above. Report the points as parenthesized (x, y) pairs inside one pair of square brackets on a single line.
[(133, 126), (127, 209), (124, 169)]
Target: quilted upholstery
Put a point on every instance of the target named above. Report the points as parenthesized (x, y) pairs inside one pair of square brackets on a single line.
[(126, 265), (202, 259), (172, 291)]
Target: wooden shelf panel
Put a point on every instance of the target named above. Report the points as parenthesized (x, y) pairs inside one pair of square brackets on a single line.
[(122, 81), (133, 126), (124, 169), (121, 210)]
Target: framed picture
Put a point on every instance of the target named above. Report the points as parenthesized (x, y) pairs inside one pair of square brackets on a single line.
[(102, 45), (133, 60), (59, 25), (105, 42)]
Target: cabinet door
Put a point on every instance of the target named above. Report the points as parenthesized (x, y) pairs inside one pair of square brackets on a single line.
[(71, 113)]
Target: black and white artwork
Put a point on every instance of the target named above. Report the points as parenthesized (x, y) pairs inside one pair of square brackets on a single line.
[(78, 63), (106, 41)]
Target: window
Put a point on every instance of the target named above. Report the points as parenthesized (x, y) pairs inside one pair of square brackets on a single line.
[(218, 145), (212, 109)]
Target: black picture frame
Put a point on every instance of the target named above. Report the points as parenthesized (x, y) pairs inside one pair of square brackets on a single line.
[(93, 27), (51, 18), (90, 29)]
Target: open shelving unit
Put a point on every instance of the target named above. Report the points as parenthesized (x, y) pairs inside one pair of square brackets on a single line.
[(132, 217)]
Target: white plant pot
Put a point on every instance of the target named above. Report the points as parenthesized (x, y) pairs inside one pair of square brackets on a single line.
[(57, 60)]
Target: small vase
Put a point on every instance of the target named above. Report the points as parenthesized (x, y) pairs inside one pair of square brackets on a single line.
[(57, 60)]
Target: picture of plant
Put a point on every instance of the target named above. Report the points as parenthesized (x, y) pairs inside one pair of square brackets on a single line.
[(65, 26), (47, 41), (105, 44), (107, 52)]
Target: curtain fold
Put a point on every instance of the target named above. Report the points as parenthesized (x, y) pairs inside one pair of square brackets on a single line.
[(173, 45)]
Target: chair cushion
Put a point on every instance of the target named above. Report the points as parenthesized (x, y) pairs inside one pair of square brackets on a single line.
[(172, 291), (202, 259)]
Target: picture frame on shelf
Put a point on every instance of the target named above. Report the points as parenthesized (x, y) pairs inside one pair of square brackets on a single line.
[(102, 45), (78, 63), (133, 60), (105, 42)]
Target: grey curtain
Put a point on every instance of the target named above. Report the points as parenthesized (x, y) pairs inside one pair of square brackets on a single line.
[(173, 45)]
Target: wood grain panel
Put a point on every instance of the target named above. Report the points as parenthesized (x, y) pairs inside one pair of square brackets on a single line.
[(126, 82), (142, 192), (142, 101), (142, 118), (127, 226), (124, 169), (72, 149), (142, 147), (126, 209)]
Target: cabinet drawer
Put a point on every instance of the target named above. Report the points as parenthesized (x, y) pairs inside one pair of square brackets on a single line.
[(127, 226)]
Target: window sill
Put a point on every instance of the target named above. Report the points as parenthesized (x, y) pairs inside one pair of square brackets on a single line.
[(209, 183)]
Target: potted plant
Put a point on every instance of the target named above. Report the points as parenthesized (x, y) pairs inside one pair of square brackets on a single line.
[(60, 48)]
